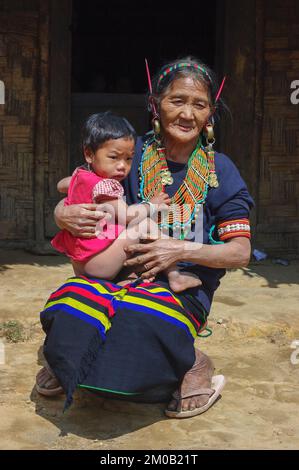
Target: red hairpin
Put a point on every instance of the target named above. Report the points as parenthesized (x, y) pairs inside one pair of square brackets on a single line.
[(220, 90), (150, 86)]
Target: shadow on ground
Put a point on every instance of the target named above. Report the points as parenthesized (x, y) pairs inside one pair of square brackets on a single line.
[(274, 274), (93, 417), (17, 257)]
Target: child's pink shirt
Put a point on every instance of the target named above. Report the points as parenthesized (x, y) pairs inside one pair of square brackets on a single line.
[(87, 187)]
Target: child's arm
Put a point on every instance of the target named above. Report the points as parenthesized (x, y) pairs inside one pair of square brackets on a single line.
[(135, 213), (109, 192), (63, 185), (122, 213)]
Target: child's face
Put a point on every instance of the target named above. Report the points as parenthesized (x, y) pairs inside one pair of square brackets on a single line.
[(113, 159)]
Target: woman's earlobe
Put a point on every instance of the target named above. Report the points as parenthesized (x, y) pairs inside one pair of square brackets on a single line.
[(211, 119), (153, 105)]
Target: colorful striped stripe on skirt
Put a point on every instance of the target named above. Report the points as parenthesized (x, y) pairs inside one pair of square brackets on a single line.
[(135, 340)]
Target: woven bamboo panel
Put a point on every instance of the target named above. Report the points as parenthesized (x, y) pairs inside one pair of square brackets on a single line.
[(279, 164), (18, 62)]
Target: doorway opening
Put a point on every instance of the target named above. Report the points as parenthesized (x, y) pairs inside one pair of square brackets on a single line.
[(109, 43)]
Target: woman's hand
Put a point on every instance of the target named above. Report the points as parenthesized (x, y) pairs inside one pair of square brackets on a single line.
[(156, 255), (79, 219)]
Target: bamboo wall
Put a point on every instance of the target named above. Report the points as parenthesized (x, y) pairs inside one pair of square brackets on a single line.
[(261, 59), (18, 68), (34, 121), (278, 201)]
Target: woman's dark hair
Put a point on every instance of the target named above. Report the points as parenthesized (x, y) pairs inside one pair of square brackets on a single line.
[(197, 70), (100, 127)]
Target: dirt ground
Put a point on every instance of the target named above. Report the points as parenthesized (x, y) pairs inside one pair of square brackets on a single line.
[(255, 318)]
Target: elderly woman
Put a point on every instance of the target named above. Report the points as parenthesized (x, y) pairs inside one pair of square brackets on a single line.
[(136, 340)]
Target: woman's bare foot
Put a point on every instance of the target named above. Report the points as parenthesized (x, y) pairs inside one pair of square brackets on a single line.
[(181, 280), (46, 383), (200, 376)]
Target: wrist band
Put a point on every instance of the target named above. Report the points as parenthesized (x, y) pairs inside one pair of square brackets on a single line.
[(151, 205)]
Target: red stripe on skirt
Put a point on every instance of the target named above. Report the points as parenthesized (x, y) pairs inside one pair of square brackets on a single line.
[(105, 283), (85, 293), (169, 299)]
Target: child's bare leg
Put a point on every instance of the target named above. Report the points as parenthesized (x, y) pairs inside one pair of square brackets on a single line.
[(108, 263), (105, 265), (129, 275)]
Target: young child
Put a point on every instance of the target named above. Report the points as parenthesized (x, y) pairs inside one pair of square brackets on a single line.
[(108, 147)]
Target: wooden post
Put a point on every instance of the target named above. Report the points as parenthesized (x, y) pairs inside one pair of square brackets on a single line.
[(59, 105), (258, 109), (41, 122), (239, 67), (240, 134)]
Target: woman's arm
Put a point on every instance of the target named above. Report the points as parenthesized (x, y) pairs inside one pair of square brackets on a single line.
[(79, 219), (160, 254), (235, 253)]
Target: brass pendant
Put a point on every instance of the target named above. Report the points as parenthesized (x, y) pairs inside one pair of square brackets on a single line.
[(167, 180), (209, 133), (156, 126), (166, 177), (213, 182)]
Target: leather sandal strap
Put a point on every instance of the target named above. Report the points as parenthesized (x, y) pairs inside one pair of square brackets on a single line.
[(198, 391), (49, 370)]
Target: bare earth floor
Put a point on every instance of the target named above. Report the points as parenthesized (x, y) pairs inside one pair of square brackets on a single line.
[(255, 318)]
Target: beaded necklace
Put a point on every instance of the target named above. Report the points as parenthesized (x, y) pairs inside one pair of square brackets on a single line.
[(154, 175)]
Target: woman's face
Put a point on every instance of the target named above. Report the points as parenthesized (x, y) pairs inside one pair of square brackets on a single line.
[(184, 110)]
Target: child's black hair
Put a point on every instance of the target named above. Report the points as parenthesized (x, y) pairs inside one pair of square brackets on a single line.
[(100, 127)]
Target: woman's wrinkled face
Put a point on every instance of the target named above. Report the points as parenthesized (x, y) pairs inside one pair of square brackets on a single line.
[(184, 110)]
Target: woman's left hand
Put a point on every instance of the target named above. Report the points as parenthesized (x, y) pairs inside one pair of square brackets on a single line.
[(155, 256)]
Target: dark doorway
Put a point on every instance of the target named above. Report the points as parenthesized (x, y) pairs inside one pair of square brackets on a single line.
[(110, 40)]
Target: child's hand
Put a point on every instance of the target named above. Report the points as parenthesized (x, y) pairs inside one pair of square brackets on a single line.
[(63, 185), (162, 201)]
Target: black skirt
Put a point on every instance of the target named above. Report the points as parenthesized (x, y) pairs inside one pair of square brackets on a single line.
[(134, 342)]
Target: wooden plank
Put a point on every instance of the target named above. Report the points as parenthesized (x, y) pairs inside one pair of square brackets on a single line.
[(279, 227), (239, 66), (254, 166), (41, 123), (19, 22), (60, 92), (60, 103)]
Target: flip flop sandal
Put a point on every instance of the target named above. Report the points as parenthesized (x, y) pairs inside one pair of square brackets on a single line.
[(218, 382), (48, 392)]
